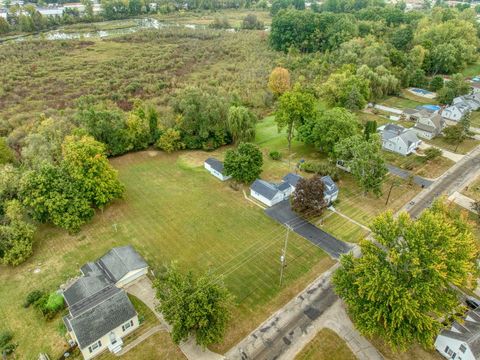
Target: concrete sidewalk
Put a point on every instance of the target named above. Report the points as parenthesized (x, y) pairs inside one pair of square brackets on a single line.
[(462, 200), (445, 153)]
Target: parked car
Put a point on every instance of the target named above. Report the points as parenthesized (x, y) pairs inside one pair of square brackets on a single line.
[(472, 303)]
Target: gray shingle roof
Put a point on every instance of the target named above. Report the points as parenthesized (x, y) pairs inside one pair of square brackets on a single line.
[(84, 287), (119, 261), (391, 131), (264, 188), (292, 179), (468, 332), (215, 164), (90, 325), (330, 186)]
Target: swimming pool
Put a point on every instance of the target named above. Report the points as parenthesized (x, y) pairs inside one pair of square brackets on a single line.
[(421, 91), (431, 107)]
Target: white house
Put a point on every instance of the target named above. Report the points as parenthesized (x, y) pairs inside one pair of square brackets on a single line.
[(330, 193), (427, 124), (269, 193), (100, 312), (398, 139), (462, 340), (461, 105), (215, 167)]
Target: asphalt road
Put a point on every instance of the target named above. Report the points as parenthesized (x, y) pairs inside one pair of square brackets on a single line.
[(289, 333), (283, 213), (451, 181)]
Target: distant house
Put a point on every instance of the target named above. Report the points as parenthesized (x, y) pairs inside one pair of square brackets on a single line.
[(455, 112), (462, 340), (398, 139), (269, 193), (427, 124), (331, 189), (215, 167), (461, 105), (100, 312)]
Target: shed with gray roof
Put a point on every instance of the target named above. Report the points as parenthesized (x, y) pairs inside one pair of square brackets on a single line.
[(216, 168)]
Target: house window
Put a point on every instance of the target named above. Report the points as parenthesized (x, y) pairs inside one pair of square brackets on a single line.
[(463, 348), (95, 346), (446, 349), (127, 325)]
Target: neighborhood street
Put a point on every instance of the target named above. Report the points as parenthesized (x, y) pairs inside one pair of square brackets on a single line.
[(458, 176)]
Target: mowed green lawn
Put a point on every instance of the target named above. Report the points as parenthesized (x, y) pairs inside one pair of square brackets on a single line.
[(173, 211)]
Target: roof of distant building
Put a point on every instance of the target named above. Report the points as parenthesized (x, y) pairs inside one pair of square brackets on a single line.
[(215, 164)]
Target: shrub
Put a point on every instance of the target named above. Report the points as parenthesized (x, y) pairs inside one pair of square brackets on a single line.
[(54, 303), (275, 155), (321, 169), (32, 297), (432, 153), (5, 338), (6, 345)]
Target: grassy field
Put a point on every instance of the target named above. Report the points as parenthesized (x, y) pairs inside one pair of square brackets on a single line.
[(418, 165), (324, 345), (407, 100), (48, 76), (173, 210), (475, 119), (466, 146), (235, 17), (473, 190), (341, 228), (472, 70)]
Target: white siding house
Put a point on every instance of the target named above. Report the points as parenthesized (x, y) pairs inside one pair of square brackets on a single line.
[(398, 139), (462, 340), (215, 167), (269, 193), (100, 312)]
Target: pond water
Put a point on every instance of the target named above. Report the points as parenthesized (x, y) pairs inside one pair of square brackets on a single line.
[(122, 29)]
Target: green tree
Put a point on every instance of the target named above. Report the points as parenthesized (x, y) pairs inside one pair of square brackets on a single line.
[(402, 284), (365, 161), (294, 109), (346, 90), (6, 154), (455, 135), (85, 161), (455, 87), (250, 22), (51, 195), (329, 128), (241, 123), (170, 140), (16, 235), (380, 81), (244, 163), (203, 118), (369, 129), (436, 83), (194, 306)]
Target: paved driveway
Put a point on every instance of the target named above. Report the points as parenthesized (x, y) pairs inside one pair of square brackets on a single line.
[(283, 213), (404, 174)]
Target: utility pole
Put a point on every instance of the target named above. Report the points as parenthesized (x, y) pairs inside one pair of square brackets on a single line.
[(283, 257)]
